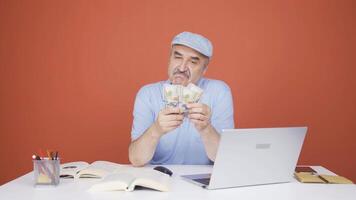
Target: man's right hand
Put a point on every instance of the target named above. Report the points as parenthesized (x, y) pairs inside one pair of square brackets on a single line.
[(168, 119), (142, 149)]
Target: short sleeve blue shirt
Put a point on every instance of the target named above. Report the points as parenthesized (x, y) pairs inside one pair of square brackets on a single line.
[(182, 145)]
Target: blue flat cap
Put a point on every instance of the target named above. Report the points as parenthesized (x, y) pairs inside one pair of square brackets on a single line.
[(194, 41)]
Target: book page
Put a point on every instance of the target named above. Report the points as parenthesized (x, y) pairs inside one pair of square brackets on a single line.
[(112, 182), (98, 169)]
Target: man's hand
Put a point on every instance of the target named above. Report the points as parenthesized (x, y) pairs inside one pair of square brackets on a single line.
[(168, 119), (200, 115), (142, 149)]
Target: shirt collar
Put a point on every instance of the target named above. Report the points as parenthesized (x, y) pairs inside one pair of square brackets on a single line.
[(198, 83)]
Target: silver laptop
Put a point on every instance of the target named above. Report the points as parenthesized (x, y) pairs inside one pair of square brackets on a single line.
[(247, 157)]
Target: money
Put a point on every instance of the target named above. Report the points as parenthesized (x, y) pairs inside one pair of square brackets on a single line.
[(171, 94), (179, 96)]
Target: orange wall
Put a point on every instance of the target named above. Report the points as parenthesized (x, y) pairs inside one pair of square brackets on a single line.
[(70, 71)]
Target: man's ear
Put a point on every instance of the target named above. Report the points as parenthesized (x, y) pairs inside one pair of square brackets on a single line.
[(206, 66)]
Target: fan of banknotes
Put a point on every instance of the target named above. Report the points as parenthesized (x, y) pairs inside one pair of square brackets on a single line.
[(179, 96)]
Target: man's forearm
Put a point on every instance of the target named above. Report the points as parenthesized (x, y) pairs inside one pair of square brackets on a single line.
[(142, 149), (211, 140)]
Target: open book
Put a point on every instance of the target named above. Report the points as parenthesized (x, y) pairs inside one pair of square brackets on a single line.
[(115, 176), (97, 169), (127, 178)]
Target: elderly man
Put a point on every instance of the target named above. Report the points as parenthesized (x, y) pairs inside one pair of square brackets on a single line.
[(164, 135)]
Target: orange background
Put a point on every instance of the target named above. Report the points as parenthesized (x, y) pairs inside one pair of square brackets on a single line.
[(70, 71)]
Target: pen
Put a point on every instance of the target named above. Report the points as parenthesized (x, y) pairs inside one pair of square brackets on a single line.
[(36, 157), (41, 154), (49, 154)]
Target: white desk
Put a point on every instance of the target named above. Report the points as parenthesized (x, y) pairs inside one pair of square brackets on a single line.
[(22, 188)]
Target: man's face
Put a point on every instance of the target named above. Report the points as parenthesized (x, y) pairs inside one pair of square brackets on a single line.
[(186, 65)]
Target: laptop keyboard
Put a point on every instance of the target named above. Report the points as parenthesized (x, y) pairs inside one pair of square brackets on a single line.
[(204, 181)]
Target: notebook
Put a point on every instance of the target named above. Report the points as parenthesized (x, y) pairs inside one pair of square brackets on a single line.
[(248, 157)]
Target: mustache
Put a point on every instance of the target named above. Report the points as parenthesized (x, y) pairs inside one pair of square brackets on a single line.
[(185, 73)]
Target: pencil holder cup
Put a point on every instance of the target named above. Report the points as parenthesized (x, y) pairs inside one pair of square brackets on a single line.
[(46, 171)]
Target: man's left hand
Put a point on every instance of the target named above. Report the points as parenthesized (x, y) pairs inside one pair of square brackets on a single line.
[(199, 114)]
